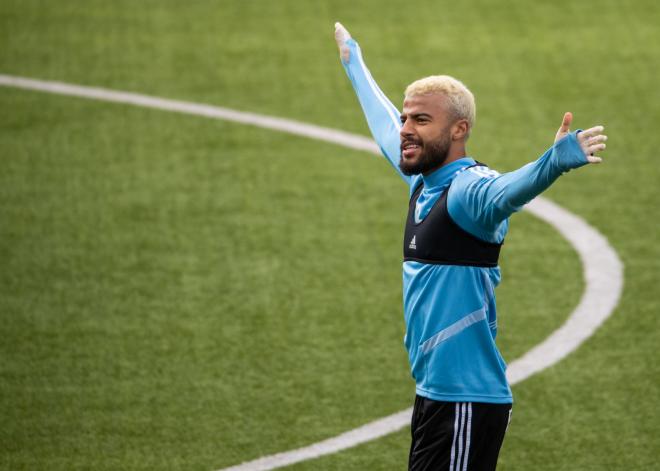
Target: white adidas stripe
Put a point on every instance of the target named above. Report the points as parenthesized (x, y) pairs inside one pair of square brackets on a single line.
[(460, 438), (466, 455), (460, 447), (453, 443)]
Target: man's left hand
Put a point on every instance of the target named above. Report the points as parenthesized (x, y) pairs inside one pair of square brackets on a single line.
[(591, 140)]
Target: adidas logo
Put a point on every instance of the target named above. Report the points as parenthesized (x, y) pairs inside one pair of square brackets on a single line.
[(413, 243)]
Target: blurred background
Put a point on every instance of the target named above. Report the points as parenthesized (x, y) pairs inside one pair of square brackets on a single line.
[(187, 294)]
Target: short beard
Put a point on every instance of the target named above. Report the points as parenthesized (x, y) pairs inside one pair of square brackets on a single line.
[(434, 154)]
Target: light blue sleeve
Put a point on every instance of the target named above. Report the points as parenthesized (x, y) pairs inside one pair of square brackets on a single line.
[(480, 200), (382, 116)]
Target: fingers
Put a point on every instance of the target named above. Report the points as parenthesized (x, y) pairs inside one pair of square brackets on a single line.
[(566, 122), (592, 142), (586, 134), (565, 127), (599, 139), (591, 150), (341, 36)]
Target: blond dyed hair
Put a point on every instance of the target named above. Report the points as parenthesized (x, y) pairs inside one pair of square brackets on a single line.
[(461, 99)]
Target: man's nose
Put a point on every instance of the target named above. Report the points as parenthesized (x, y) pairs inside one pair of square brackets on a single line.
[(406, 129)]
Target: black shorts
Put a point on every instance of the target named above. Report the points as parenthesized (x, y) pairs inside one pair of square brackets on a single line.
[(456, 436)]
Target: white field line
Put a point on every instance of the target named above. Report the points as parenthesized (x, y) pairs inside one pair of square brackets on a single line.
[(602, 269), (603, 278), (216, 112)]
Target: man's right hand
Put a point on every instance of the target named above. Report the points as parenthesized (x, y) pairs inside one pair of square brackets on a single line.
[(341, 36)]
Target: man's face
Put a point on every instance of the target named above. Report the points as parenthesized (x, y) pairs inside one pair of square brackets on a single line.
[(425, 133)]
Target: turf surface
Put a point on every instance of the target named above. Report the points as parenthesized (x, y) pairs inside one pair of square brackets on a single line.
[(179, 293)]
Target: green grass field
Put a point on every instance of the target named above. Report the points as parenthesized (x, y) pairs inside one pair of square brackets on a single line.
[(185, 294)]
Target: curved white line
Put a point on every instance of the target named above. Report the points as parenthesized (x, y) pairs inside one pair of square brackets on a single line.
[(603, 279), (216, 112), (603, 271)]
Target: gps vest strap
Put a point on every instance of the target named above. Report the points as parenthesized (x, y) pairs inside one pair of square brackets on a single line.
[(439, 240)]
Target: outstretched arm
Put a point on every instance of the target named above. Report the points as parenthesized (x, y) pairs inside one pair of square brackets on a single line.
[(487, 198), (382, 116)]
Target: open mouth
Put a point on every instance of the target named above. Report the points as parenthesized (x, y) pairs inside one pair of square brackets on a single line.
[(408, 149)]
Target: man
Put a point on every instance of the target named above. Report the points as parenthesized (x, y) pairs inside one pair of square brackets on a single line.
[(457, 220)]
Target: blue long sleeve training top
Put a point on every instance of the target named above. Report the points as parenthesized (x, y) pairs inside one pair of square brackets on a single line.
[(449, 310)]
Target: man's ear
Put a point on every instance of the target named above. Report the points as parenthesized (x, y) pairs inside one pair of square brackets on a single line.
[(460, 129)]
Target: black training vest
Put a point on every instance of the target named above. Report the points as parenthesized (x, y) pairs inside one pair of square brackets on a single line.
[(439, 240)]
